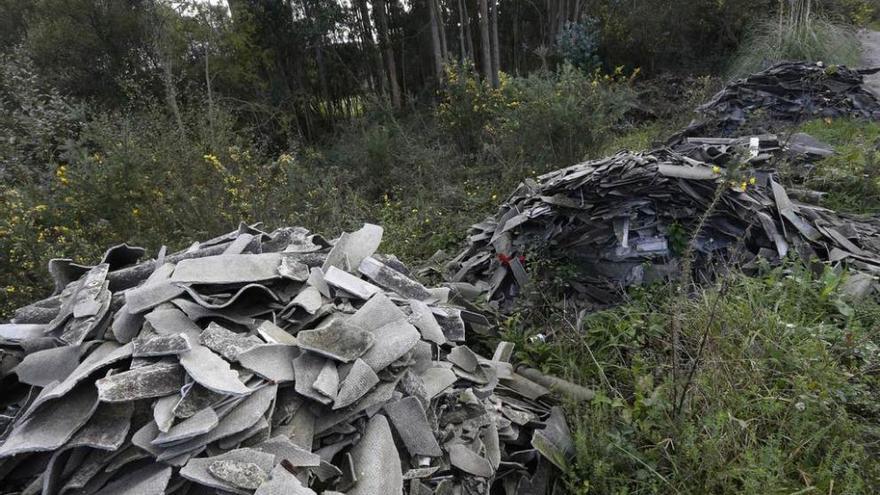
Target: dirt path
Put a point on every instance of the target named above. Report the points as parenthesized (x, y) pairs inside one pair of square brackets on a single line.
[(871, 57)]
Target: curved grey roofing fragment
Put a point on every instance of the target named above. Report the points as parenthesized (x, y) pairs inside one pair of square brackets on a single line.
[(268, 375)]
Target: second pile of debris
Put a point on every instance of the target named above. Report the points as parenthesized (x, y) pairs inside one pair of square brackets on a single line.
[(265, 364), (788, 92), (626, 219)]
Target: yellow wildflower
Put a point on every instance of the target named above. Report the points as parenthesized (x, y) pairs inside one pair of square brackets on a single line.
[(753, 181), (135, 212), (716, 169)]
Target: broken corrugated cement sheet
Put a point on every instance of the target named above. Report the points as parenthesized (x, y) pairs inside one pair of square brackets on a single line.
[(259, 377)]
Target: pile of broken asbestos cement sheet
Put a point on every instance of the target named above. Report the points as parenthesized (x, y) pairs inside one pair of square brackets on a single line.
[(265, 364), (788, 92), (626, 219)]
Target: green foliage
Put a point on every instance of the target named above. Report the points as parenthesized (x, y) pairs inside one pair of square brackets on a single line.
[(535, 121), (852, 176), (815, 39), (578, 44), (783, 399)]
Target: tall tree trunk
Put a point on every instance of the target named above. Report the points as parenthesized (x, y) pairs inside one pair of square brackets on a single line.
[(485, 50), (496, 51), (444, 47), (435, 41), (462, 25), (374, 58), (387, 51)]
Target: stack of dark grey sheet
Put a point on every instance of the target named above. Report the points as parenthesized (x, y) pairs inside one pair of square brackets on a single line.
[(265, 364), (787, 92), (627, 219)]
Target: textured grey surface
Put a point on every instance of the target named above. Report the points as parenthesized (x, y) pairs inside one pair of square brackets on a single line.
[(212, 372), (155, 380), (271, 361)]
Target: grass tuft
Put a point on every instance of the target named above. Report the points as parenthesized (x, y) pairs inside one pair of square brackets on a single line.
[(814, 40)]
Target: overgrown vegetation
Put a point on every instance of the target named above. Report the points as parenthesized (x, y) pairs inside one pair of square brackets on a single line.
[(802, 32), (783, 399), (850, 178)]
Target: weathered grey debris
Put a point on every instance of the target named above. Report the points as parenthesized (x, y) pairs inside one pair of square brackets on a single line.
[(212, 372), (292, 269), (52, 424), (437, 380), (469, 461), (285, 450), (327, 382), (18, 332), (393, 280), (228, 269), (377, 312), (148, 480), (423, 319), (240, 474), (463, 357), (503, 352), (198, 424), (349, 283), (161, 345), (271, 361), (244, 415), (360, 379), (90, 308), (157, 289), (391, 342), (274, 334), (417, 473), (309, 299), (105, 355), (283, 482), (337, 340), (163, 411), (555, 384), (351, 248), (409, 420), (524, 387), (194, 398), (106, 429), (554, 441), (250, 293), (170, 321), (306, 369), (226, 342), (155, 380), (233, 477), (50, 365), (126, 324), (376, 461), (246, 438), (451, 322), (316, 280)]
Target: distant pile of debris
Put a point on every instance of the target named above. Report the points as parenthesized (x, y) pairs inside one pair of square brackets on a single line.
[(626, 219), (789, 92), (259, 363)]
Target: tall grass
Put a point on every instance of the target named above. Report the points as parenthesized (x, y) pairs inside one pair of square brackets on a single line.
[(798, 36)]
